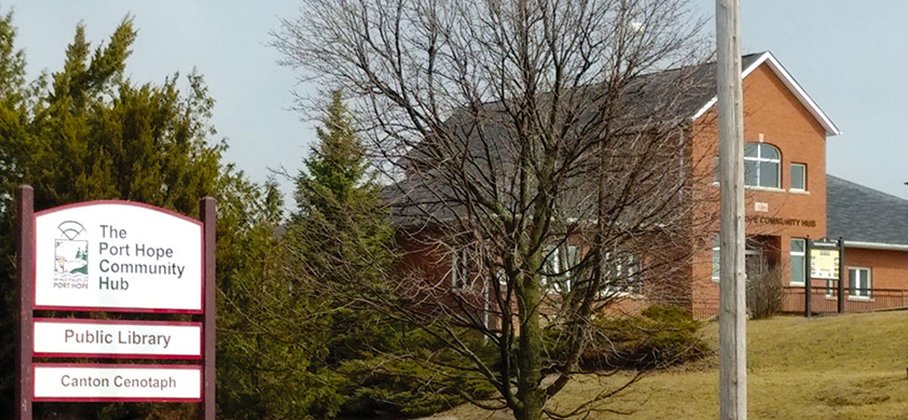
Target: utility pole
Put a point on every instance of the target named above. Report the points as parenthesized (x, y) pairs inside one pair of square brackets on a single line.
[(732, 309)]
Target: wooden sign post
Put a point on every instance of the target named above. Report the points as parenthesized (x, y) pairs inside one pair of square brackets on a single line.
[(825, 261)]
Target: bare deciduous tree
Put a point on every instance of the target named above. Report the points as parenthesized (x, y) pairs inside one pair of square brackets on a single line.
[(518, 133)]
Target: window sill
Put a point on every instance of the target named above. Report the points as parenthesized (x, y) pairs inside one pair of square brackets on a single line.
[(766, 189), (796, 284), (852, 298), (801, 192), (617, 294)]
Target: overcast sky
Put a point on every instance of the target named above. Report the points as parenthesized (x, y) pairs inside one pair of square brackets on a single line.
[(850, 60)]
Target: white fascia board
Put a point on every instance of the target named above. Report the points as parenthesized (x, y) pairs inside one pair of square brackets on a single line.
[(800, 93), (744, 73), (876, 245), (789, 82), (709, 104)]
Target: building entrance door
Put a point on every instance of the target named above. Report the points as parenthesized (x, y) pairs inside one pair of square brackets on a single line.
[(754, 263)]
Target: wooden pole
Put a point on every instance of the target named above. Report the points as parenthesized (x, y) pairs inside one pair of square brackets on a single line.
[(732, 307), (207, 208), (25, 270)]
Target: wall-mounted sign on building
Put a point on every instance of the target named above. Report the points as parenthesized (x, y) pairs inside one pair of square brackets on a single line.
[(117, 256)]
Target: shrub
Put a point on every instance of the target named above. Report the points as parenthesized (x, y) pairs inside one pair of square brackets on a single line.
[(764, 294), (661, 336), (416, 384)]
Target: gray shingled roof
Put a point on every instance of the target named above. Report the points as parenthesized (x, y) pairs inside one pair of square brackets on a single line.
[(674, 95), (861, 214), (699, 92)]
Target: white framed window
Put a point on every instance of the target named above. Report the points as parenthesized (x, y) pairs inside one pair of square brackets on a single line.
[(762, 165), (831, 289), (717, 264), (551, 265), (570, 258), (798, 177), (797, 258), (551, 268), (859, 283), (558, 264), (460, 268), (624, 273)]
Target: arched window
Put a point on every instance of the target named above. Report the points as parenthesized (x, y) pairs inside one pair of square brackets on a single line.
[(762, 163)]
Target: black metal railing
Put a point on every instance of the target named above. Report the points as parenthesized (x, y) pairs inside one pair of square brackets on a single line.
[(825, 300)]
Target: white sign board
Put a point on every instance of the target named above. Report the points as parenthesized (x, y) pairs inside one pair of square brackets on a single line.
[(824, 263), (96, 338), (117, 256), (62, 382)]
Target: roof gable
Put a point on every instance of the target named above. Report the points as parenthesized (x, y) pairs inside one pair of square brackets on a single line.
[(751, 62)]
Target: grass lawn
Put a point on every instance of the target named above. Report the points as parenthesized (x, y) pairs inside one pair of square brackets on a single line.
[(837, 367)]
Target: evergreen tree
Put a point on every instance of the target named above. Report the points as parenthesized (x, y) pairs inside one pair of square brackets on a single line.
[(289, 339), (339, 256), (87, 132), (339, 234), (338, 200)]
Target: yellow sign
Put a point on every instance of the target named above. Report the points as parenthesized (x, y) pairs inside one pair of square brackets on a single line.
[(824, 264)]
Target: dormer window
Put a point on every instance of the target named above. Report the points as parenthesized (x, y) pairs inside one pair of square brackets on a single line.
[(762, 163)]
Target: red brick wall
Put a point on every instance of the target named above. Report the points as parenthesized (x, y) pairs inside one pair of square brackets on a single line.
[(888, 275), (888, 269), (772, 112)]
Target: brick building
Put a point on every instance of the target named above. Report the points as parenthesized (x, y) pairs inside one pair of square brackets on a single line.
[(789, 200)]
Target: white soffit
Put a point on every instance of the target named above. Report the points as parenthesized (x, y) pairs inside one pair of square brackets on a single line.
[(792, 85)]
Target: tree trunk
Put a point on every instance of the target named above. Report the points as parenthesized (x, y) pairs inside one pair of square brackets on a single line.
[(529, 352)]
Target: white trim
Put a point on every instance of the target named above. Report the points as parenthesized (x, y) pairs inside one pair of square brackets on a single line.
[(876, 245), (753, 66), (799, 92), (715, 266), (758, 160), (831, 288), (459, 268), (767, 189), (614, 292), (709, 104), (551, 262), (803, 254), (791, 171), (868, 289)]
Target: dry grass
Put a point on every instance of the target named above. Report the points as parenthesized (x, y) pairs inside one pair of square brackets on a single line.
[(845, 367)]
